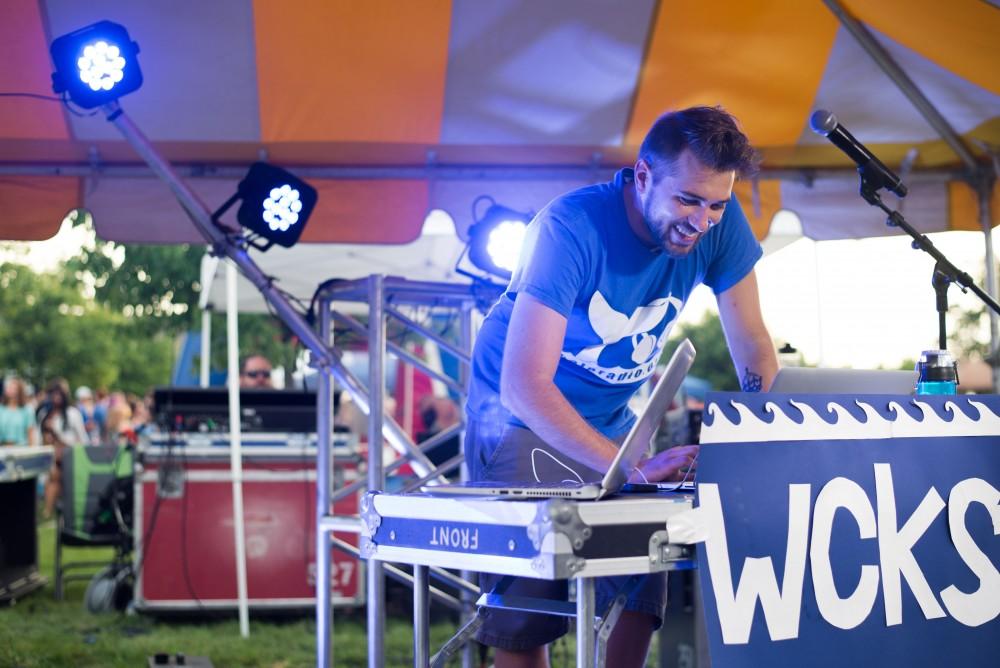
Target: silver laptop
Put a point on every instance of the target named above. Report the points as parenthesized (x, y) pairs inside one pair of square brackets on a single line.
[(792, 379), (629, 454)]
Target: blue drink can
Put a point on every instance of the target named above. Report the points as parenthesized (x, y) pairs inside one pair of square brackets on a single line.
[(937, 373)]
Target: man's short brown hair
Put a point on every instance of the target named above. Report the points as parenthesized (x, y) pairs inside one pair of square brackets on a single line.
[(710, 133)]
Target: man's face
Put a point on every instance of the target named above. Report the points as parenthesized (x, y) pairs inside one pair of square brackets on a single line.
[(683, 202), (256, 373)]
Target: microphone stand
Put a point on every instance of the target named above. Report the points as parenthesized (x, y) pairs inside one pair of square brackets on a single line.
[(945, 273), (941, 280)]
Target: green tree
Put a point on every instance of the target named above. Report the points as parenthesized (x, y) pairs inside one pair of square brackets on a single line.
[(48, 329), (712, 361), (156, 288), (158, 285), (970, 333)]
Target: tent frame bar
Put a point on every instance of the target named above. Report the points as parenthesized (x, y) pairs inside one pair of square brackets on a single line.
[(438, 172)]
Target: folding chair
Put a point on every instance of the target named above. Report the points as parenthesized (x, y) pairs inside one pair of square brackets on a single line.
[(95, 508)]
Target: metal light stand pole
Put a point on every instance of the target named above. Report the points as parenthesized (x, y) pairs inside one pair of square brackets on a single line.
[(228, 243)]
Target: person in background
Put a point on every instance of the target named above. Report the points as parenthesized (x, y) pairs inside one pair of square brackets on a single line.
[(119, 425), (17, 418), (101, 411), (62, 426), (141, 413), (255, 373), (85, 404)]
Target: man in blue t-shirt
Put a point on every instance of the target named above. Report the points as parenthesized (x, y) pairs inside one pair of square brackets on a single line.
[(602, 277)]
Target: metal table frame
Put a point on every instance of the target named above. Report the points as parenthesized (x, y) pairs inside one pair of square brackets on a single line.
[(552, 528)]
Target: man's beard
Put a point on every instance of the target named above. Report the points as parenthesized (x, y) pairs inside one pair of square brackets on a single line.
[(678, 249)]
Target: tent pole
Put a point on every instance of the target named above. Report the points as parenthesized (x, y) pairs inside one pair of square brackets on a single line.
[(206, 347), (235, 452), (209, 265), (985, 191)]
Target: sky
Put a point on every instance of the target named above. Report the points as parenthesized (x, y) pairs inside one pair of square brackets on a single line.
[(863, 304), (859, 303)]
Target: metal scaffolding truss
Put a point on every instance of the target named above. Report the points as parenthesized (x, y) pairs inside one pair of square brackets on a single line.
[(387, 297)]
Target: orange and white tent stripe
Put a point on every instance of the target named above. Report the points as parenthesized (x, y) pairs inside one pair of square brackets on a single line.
[(401, 107)]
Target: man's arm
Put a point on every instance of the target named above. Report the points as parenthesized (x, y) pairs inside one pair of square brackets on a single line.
[(749, 341), (527, 389), (531, 354)]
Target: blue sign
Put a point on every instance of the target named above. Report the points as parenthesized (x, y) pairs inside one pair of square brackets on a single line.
[(850, 530)]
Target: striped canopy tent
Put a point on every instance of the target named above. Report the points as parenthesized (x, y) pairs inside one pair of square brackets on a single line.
[(392, 109)]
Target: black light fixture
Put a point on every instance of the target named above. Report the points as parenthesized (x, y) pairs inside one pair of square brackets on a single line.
[(275, 205), (495, 239), (96, 65)]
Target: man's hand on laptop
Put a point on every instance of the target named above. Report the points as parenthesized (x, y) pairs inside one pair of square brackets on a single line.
[(671, 465)]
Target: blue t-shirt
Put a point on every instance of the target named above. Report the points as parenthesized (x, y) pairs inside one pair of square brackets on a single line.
[(620, 297), (15, 423)]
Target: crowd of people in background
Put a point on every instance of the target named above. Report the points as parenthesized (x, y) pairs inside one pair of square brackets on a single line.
[(52, 417), (55, 416)]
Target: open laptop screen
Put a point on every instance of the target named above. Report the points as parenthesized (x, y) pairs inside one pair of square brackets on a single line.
[(802, 380)]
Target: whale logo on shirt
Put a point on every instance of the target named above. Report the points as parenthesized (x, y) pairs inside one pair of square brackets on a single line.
[(613, 327)]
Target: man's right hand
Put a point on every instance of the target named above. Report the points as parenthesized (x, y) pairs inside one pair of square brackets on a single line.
[(671, 465)]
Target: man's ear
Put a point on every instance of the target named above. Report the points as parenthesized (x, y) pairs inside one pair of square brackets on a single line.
[(643, 175)]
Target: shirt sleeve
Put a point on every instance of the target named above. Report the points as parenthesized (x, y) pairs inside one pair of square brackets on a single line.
[(735, 252), (553, 267)]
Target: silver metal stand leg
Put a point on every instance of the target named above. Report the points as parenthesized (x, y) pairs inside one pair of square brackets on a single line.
[(470, 614), (584, 622), (612, 616), (469, 610), (421, 618), (606, 627), (462, 639), (324, 466), (376, 476)]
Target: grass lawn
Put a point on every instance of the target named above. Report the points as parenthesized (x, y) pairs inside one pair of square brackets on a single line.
[(38, 631)]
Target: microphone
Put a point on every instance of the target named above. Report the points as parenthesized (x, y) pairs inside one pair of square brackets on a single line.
[(825, 123)]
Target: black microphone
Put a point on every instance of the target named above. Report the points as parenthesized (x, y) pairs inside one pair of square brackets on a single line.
[(825, 123)]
